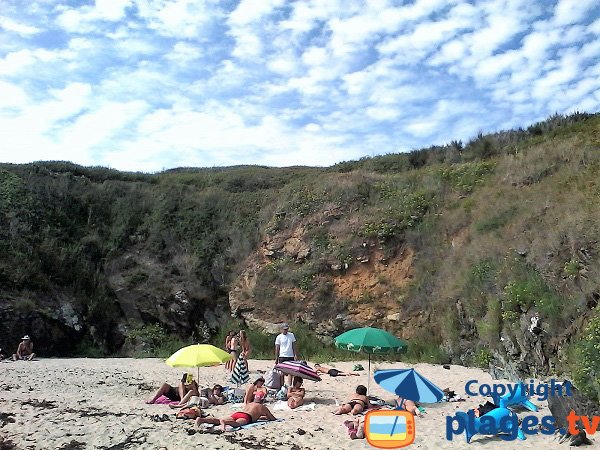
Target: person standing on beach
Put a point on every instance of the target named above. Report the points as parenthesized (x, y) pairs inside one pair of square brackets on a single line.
[(245, 347), (24, 350), (229, 364), (285, 349)]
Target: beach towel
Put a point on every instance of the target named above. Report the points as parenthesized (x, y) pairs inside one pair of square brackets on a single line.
[(163, 400), (252, 425), (283, 406)]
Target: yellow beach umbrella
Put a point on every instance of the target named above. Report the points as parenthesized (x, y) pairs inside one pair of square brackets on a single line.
[(198, 355)]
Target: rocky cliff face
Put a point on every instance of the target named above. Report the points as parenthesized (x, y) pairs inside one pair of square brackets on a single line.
[(480, 258)]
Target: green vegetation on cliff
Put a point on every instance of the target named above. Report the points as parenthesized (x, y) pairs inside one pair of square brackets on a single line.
[(456, 248)]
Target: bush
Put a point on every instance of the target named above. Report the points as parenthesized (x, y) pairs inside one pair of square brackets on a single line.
[(153, 341), (482, 358), (464, 177), (424, 347), (586, 373), (490, 325), (497, 221)]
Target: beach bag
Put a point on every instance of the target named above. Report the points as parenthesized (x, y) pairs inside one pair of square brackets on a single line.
[(235, 395), (274, 379), (282, 393)]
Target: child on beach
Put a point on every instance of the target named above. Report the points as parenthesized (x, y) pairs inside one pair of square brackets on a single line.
[(356, 428)]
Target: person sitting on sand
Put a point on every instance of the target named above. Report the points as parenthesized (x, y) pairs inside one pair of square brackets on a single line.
[(296, 393), (333, 372), (214, 396), (207, 397), (405, 404), (186, 389), (24, 350), (357, 403), (252, 412), (256, 392)]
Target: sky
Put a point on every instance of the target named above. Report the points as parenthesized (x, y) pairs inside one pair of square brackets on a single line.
[(148, 85)]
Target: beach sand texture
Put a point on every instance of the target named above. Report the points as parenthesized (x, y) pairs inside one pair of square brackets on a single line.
[(99, 404)]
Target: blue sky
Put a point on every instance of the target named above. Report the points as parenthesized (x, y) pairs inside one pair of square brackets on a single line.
[(154, 84)]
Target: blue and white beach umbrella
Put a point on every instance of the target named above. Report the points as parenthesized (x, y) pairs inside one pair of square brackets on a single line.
[(409, 384)]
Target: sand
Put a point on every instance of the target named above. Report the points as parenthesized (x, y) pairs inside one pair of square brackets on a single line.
[(99, 404)]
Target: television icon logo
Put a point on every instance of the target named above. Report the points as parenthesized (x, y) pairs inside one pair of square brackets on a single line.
[(389, 428)]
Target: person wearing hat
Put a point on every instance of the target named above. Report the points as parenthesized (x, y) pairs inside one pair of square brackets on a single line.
[(285, 348), (24, 350)]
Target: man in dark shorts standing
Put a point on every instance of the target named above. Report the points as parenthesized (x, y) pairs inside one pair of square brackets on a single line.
[(285, 349)]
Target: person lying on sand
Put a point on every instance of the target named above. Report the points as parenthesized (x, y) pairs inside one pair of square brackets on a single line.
[(296, 393), (186, 389), (357, 403), (24, 350), (333, 372), (256, 392), (252, 412), (409, 406)]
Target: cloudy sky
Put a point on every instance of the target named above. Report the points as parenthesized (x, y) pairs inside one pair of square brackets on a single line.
[(153, 84)]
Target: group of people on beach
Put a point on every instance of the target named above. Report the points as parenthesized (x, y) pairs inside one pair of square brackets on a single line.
[(24, 350), (237, 344), (256, 393)]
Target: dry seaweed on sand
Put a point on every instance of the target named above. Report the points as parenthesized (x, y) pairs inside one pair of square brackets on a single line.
[(134, 440), (41, 404), (6, 418), (73, 445)]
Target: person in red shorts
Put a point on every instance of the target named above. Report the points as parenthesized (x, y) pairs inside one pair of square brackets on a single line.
[(251, 413)]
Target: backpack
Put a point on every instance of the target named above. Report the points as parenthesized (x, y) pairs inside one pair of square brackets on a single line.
[(274, 379)]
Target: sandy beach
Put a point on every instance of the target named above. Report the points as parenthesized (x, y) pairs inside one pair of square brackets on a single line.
[(99, 404)]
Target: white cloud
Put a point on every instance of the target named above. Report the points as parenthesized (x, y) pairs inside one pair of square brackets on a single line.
[(15, 27), (569, 11), (178, 18), (80, 20), (148, 84), (184, 52), (12, 96)]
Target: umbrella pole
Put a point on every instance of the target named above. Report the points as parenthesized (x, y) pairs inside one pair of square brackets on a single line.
[(369, 376)]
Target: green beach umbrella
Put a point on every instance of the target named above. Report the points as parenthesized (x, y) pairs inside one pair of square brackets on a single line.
[(369, 340)]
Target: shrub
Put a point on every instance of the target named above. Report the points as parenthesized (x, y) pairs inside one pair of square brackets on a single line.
[(573, 268), (464, 177), (153, 341), (586, 373), (497, 221), (482, 358), (489, 326), (136, 278)]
